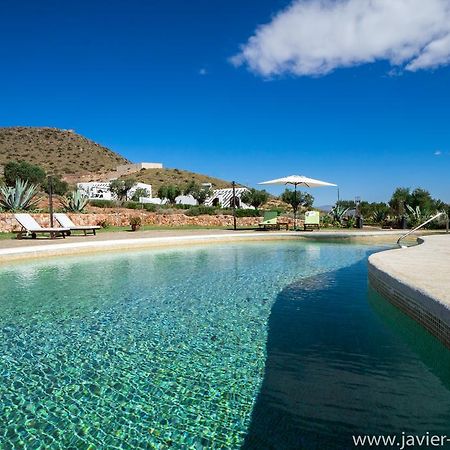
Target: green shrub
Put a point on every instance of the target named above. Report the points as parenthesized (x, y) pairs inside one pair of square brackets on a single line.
[(132, 205), (25, 171), (103, 223), (326, 220), (135, 222), (240, 212), (102, 203), (247, 213), (151, 207), (201, 210), (351, 222)]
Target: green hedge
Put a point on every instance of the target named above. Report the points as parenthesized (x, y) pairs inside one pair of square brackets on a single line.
[(241, 212), (103, 203), (200, 210)]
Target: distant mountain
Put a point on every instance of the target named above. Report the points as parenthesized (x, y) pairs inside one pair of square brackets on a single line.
[(62, 152), (326, 208)]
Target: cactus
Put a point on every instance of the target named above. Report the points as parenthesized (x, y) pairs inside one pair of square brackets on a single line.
[(75, 202), (22, 196)]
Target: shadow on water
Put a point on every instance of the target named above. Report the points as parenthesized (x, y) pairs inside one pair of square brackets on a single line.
[(420, 341), (342, 361)]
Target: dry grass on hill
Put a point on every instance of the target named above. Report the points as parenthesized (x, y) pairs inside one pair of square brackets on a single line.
[(62, 152), (164, 177)]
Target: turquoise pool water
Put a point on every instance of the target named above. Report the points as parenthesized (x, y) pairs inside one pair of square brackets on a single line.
[(271, 345)]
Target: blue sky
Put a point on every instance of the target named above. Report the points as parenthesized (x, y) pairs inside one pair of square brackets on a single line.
[(153, 81)]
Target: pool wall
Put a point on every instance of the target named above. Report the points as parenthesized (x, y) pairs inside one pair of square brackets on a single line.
[(417, 281)]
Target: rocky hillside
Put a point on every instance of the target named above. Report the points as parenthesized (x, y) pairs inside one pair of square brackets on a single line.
[(77, 158), (62, 152)]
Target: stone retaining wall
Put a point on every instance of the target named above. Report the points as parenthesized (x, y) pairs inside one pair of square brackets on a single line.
[(8, 223)]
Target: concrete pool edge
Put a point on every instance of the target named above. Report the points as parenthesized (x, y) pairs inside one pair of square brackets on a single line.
[(46, 249), (417, 281)]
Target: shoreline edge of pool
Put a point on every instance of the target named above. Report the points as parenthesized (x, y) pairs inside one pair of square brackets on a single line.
[(417, 281), (421, 290)]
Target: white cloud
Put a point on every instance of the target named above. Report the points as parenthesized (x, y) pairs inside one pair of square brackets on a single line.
[(437, 153), (315, 37)]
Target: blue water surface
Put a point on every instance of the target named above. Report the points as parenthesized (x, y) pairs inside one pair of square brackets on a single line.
[(268, 345)]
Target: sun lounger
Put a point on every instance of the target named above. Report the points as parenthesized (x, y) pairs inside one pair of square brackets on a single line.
[(65, 221), (270, 220), (31, 228), (312, 220)]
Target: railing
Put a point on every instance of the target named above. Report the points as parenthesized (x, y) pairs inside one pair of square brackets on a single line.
[(418, 227)]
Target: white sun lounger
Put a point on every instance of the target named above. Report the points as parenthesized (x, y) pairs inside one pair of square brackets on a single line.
[(31, 228), (64, 221)]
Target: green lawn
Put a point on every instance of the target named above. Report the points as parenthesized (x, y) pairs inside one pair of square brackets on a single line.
[(7, 235)]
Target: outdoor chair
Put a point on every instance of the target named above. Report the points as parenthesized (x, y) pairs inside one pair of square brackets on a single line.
[(312, 220), (65, 221), (270, 220), (31, 228)]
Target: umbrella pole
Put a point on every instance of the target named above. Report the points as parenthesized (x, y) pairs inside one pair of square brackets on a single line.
[(295, 209), (50, 199)]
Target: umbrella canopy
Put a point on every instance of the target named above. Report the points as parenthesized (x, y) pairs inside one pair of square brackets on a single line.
[(299, 180)]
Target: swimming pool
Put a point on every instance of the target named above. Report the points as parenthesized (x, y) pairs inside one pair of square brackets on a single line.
[(268, 345)]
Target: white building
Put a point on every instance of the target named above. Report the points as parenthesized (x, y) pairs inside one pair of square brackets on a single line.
[(96, 190), (223, 198), (133, 168)]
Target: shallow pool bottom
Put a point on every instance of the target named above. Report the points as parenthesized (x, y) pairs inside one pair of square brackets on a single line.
[(173, 349)]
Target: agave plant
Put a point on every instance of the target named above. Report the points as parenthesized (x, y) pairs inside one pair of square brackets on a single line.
[(22, 196), (417, 216), (378, 215), (337, 213), (75, 201)]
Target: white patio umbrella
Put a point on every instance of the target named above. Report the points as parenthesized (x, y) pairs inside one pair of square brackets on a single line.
[(298, 180)]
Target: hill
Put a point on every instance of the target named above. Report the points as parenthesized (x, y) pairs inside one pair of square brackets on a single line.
[(77, 158), (178, 177), (62, 152)]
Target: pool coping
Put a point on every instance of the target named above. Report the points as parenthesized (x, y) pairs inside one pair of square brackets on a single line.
[(43, 250), (417, 281)]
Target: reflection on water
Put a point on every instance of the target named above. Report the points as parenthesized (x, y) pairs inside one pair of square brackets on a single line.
[(338, 364)]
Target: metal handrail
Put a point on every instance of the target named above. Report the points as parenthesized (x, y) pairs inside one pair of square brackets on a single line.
[(417, 228)]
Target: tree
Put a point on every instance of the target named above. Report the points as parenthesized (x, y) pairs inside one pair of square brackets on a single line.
[(200, 193), (349, 204), (170, 193), (255, 197), (297, 198), (24, 171), (399, 200), (121, 188), (422, 199), (138, 193), (59, 187)]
